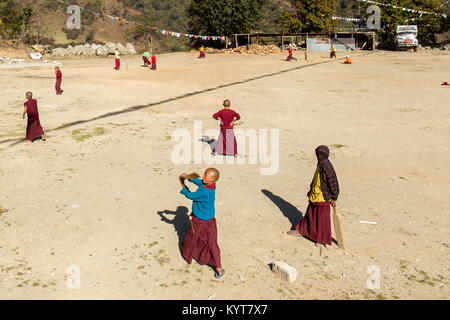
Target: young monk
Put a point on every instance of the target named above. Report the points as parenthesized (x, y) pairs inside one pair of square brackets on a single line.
[(202, 52), (145, 57), (333, 52), (290, 57), (226, 143), (153, 62), (58, 81), (34, 128), (117, 55), (201, 240), (324, 191), (348, 60)]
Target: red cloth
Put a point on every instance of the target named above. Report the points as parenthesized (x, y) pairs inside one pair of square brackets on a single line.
[(153, 65), (117, 63), (201, 243), (58, 82), (332, 54), (226, 143), (34, 128), (58, 86), (202, 54), (316, 224), (153, 59), (290, 57), (290, 51), (146, 61)]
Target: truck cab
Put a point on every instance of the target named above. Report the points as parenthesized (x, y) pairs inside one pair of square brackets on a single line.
[(406, 37)]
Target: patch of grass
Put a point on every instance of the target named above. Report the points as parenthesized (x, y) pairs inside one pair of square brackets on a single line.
[(81, 134)]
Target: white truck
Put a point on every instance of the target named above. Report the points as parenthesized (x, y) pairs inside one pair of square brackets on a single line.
[(406, 37)]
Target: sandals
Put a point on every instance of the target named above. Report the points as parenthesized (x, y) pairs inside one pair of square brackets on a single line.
[(219, 276)]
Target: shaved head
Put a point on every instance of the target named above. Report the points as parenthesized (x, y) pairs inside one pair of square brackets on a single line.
[(213, 173), (226, 103), (29, 94)]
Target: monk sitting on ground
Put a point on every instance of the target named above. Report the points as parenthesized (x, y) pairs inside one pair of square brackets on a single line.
[(348, 60)]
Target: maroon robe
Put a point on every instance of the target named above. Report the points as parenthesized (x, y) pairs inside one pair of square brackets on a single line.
[(34, 128), (58, 82), (201, 243), (316, 224), (117, 64), (146, 61), (202, 54), (226, 144)]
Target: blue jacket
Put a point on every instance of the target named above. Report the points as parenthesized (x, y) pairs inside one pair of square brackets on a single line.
[(203, 199)]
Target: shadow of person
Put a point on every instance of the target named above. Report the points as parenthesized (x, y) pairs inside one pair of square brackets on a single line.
[(289, 211), (180, 222), (210, 141)]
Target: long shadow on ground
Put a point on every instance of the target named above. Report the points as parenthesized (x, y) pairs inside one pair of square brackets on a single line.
[(186, 95)]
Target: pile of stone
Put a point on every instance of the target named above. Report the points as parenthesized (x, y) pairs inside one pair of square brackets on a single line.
[(253, 49), (442, 47), (11, 60), (95, 50)]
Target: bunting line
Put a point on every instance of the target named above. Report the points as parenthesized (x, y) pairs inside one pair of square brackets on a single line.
[(421, 12), (162, 31)]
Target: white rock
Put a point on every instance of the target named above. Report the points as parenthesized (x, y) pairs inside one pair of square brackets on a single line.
[(285, 270), (130, 49)]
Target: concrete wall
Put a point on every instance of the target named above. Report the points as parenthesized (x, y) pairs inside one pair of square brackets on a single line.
[(324, 44)]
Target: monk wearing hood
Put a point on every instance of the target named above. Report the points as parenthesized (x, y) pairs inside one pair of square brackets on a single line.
[(323, 192)]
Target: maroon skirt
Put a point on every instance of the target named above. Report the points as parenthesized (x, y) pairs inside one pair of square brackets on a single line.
[(226, 143), (58, 86), (316, 224), (153, 65), (201, 243), (202, 54), (146, 61), (34, 129), (289, 57)]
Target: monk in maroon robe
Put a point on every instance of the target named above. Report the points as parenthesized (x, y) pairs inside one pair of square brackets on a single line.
[(323, 192), (226, 144), (34, 128), (58, 81)]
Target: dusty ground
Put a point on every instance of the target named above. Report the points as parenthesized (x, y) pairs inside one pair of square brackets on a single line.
[(91, 194)]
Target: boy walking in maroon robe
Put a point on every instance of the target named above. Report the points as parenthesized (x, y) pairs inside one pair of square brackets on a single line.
[(58, 81), (226, 143), (34, 128), (201, 240), (323, 192)]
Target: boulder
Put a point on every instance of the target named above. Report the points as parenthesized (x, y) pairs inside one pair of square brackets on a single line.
[(60, 52), (102, 51), (111, 47), (121, 48), (130, 49)]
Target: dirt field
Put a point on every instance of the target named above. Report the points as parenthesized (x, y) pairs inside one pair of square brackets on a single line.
[(90, 195)]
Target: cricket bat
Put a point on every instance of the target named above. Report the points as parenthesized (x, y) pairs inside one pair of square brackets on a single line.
[(337, 229), (192, 176)]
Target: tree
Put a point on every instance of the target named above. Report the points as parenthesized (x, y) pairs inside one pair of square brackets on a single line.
[(428, 25), (15, 19), (223, 17), (309, 16)]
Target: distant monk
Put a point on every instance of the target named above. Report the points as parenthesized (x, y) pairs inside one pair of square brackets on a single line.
[(290, 56), (202, 52), (145, 57), (226, 143), (348, 60), (117, 55), (333, 52), (323, 192), (58, 81), (153, 62), (34, 129), (201, 240)]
